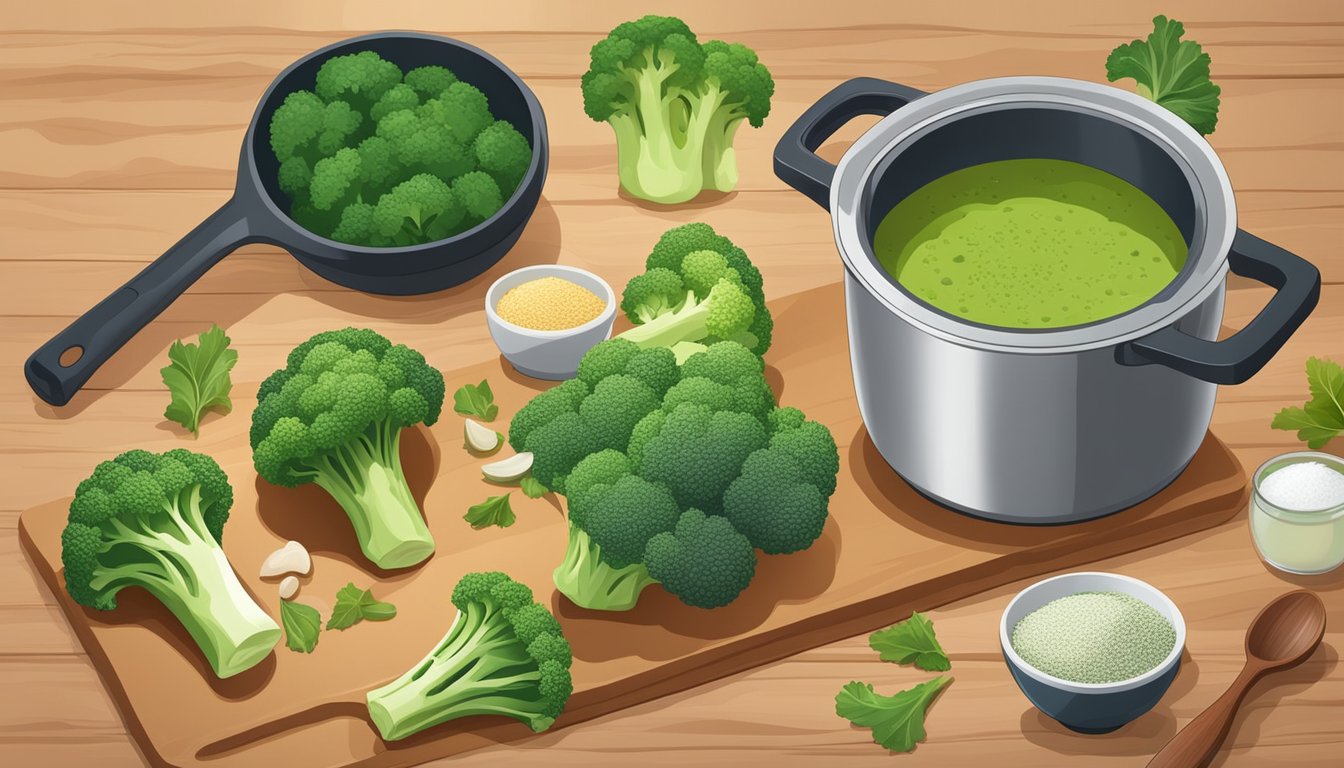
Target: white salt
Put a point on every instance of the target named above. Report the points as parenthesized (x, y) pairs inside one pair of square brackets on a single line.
[(1304, 487)]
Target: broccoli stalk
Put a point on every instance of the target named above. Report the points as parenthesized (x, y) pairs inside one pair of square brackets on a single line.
[(674, 106), (593, 583), (334, 416), (503, 655), (725, 313), (155, 521)]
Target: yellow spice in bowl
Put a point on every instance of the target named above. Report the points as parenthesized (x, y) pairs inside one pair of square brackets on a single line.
[(549, 304)]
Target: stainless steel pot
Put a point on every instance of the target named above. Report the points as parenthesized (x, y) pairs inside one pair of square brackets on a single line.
[(1028, 425)]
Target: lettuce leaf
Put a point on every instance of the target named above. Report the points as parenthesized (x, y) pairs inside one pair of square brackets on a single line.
[(1170, 71)]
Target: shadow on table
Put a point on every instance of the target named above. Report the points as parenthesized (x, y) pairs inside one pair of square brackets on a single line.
[(539, 244)]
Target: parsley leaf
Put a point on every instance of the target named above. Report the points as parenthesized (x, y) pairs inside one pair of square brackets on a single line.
[(1170, 71), (493, 511), (532, 487), (909, 641), (1321, 418), (897, 721), (476, 400), (302, 624), (354, 605), (197, 377)]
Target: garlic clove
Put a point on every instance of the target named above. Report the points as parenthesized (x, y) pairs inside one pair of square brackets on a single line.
[(481, 438), (289, 587), (508, 470), (291, 558)]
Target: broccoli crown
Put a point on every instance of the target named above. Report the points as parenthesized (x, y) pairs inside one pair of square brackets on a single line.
[(333, 416), (634, 466), (156, 521), (516, 654), (704, 561), (697, 287), (364, 137), (675, 105)]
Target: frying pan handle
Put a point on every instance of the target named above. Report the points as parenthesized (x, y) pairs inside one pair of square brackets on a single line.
[(1238, 358), (93, 338), (796, 160)]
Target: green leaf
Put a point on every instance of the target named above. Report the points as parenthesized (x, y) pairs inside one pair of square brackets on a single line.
[(354, 605), (476, 400), (1170, 71), (912, 640), (532, 487), (1320, 419), (897, 721), (302, 624), (493, 511), (197, 377)]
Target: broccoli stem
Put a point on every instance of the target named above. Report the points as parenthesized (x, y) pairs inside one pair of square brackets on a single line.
[(200, 588), (686, 324), (479, 668), (590, 583), (366, 479)]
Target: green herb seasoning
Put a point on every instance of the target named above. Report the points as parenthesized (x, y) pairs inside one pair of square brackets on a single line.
[(1031, 243), (1094, 637)]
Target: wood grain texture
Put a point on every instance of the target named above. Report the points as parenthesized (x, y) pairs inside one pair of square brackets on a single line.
[(119, 128)]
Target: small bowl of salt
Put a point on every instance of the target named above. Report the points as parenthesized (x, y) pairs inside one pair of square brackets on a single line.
[(1297, 512)]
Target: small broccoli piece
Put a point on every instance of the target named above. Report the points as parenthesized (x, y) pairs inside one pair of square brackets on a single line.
[(735, 87), (725, 313), (504, 153), (335, 180), (294, 178), (675, 106), (557, 446), (698, 453), (379, 166), (813, 447), (423, 145), (356, 226), (703, 561), (156, 521), (545, 408), (421, 209), (479, 195), (645, 430), (652, 294), (334, 416), (304, 126), (429, 81), (461, 109), (359, 79), (504, 654), (399, 96), (773, 506), (613, 408)]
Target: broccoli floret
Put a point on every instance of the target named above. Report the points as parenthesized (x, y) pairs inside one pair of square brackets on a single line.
[(462, 109), (703, 561), (294, 177), (699, 452), (156, 521), (613, 408), (504, 654), (304, 126), (421, 209), (557, 446), (674, 105), (545, 408), (359, 79), (430, 81), (357, 226), (335, 180), (334, 416), (399, 96), (652, 294), (773, 506), (813, 447), (504, 153), (425, 146), (479, 195), (726, 312)]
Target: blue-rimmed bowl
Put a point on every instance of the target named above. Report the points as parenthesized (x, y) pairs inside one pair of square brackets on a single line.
[(1091, 707)]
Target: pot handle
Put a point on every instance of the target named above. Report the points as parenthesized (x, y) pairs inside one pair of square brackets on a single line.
[(1238, 358), (796, 160)]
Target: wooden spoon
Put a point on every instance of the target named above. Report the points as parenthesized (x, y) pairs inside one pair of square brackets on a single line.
[(1281, 636)]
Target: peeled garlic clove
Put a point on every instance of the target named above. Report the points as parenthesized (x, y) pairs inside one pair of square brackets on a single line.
[(508, 470), (289, 587), (291, 558), (480, 438)]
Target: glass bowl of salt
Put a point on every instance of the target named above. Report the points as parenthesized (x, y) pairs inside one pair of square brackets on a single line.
[(1297, 512)]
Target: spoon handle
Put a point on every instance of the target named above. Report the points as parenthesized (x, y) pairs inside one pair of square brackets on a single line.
[(1199, 740)]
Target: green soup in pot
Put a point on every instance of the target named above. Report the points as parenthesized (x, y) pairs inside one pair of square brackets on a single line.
[(1030, 243)]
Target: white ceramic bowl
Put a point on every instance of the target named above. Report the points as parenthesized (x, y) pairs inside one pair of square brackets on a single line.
[(1091, 707), (548, 354)]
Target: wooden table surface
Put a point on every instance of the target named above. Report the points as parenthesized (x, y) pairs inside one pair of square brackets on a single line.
[(119, 131)]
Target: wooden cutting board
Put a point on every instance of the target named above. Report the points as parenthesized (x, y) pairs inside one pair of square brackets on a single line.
[(885, 551)]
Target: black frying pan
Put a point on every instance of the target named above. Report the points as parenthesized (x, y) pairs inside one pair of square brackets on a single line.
[(257, 214)]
